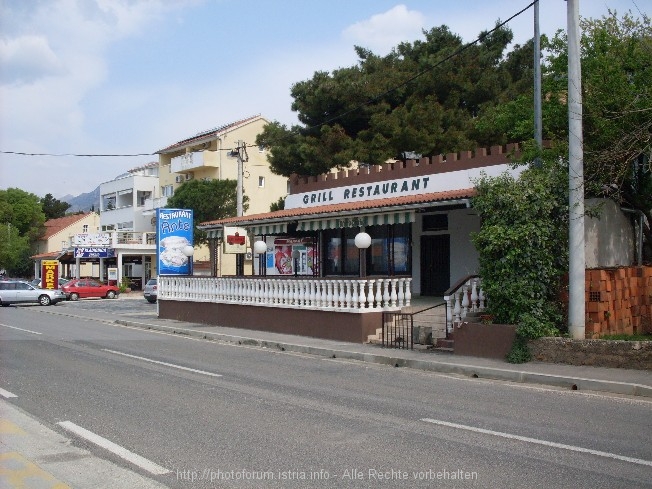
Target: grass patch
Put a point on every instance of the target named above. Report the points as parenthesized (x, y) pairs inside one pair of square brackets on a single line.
[(627, 337)]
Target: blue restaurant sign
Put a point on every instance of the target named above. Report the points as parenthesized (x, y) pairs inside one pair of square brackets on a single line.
[(94, 253), (174, 241)]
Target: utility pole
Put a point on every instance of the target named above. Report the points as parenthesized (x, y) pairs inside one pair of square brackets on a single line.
[(241, 155), (576, 258), (538, 129)]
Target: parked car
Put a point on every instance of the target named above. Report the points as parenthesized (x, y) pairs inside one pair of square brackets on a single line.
[(62, 281), (86, 287), (21, 292), (150, 291)]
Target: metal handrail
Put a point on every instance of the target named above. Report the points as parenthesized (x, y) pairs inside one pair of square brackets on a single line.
[(402, 327)]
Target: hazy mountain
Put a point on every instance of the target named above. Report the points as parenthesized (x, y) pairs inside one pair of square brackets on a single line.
[(84, 202)]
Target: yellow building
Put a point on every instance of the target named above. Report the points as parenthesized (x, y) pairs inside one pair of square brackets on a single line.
[(213, 154), (58, 238)]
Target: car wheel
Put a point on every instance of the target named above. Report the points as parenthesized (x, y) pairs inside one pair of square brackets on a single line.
[(44, 300), (110, 294), (5, 304), (151, 301), (74, 296)]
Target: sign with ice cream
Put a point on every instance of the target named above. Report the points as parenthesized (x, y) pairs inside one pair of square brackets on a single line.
[(174, 241)]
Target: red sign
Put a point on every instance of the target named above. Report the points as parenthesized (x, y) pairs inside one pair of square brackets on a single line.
[(49, 274), (236, 239)]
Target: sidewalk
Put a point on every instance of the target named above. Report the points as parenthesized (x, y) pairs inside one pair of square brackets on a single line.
[(608, 380), (32, 456)]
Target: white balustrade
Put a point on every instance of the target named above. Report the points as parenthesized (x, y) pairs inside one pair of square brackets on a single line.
[(468, 297), (348, 295)]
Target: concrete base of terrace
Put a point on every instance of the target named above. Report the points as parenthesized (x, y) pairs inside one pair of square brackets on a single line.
[(330, 325)]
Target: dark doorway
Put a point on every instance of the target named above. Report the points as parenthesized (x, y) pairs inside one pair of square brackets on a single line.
[(435, 264)]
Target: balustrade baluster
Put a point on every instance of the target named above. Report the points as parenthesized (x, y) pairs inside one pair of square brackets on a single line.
[(401, 292), (347, 294), (457, 309), (408, 291), (386, 294), (474, 295), (465, 301), (370, 294), (379, 294), (355, 294), (329, 295), (362, 297), (449, 314), (394, 295)]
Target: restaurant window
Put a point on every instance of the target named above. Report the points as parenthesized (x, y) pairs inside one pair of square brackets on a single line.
[(389, 253)]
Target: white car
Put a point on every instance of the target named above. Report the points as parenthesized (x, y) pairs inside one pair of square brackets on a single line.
[(20, 292)]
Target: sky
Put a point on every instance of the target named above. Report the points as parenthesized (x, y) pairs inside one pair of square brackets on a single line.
[(126, 77)]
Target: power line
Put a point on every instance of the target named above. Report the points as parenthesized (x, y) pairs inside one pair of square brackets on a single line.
[(332, 119), (20, 153)]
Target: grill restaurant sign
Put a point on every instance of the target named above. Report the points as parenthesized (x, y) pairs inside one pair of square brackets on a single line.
[(424, 184)]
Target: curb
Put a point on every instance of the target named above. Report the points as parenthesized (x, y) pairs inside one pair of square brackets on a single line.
[(474, 371)]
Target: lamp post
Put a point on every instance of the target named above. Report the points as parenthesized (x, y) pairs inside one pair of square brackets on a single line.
[(362, 242), (189, 251), (260, 248), (295, 256)]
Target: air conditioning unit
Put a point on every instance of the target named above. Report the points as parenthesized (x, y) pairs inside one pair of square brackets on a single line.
[(248, 255), (190, 175), (178, 178)]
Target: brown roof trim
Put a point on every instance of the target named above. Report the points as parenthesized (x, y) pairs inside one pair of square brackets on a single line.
[(208, 135), (368, 205)]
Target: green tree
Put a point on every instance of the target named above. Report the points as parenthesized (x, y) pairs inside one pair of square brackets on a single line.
[(23, 211), (616, 57), (523, 247), (53, 208), (420, 98), (209, 200), (278, 205), (14, 252), (21, 224)]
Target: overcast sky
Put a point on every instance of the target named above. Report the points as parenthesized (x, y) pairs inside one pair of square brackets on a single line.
[(134, 76)]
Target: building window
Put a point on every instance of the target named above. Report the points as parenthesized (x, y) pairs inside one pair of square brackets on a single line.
[(85, 228), (389, 253), (435, 222), (167, 191), (261, 182)]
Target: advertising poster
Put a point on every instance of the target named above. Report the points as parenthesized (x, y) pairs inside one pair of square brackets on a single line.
[(50, 274), (174, 240), (280, 261)]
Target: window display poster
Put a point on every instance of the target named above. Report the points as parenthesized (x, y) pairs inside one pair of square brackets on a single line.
[(174, 241), (287, 255)]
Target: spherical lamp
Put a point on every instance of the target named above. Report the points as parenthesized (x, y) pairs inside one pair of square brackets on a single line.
[(362, 240), (260, 247)]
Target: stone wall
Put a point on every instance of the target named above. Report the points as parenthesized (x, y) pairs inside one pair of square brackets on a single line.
[(597, 353)]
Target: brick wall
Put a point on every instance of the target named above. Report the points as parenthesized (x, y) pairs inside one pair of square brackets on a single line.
[(618, 300)]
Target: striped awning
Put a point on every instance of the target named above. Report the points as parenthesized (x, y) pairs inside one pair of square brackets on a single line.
[(214, 233), (255, 229), (265, 229), (354, 221)]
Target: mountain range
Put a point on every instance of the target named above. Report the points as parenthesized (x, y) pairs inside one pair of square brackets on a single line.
[(89, 201)]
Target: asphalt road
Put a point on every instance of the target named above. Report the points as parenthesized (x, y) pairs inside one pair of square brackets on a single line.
[(222, 415)]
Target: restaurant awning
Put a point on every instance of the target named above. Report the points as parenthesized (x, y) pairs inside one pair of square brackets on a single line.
[(357, 220)]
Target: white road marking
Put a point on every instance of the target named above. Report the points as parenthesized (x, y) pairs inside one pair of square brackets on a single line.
[(180, 367), (6, 394), (540, 442), (20, 329), (121, 452)]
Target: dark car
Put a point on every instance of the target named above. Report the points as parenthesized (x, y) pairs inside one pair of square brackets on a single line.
[(150, 291), (87, 287), (21, 292)]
